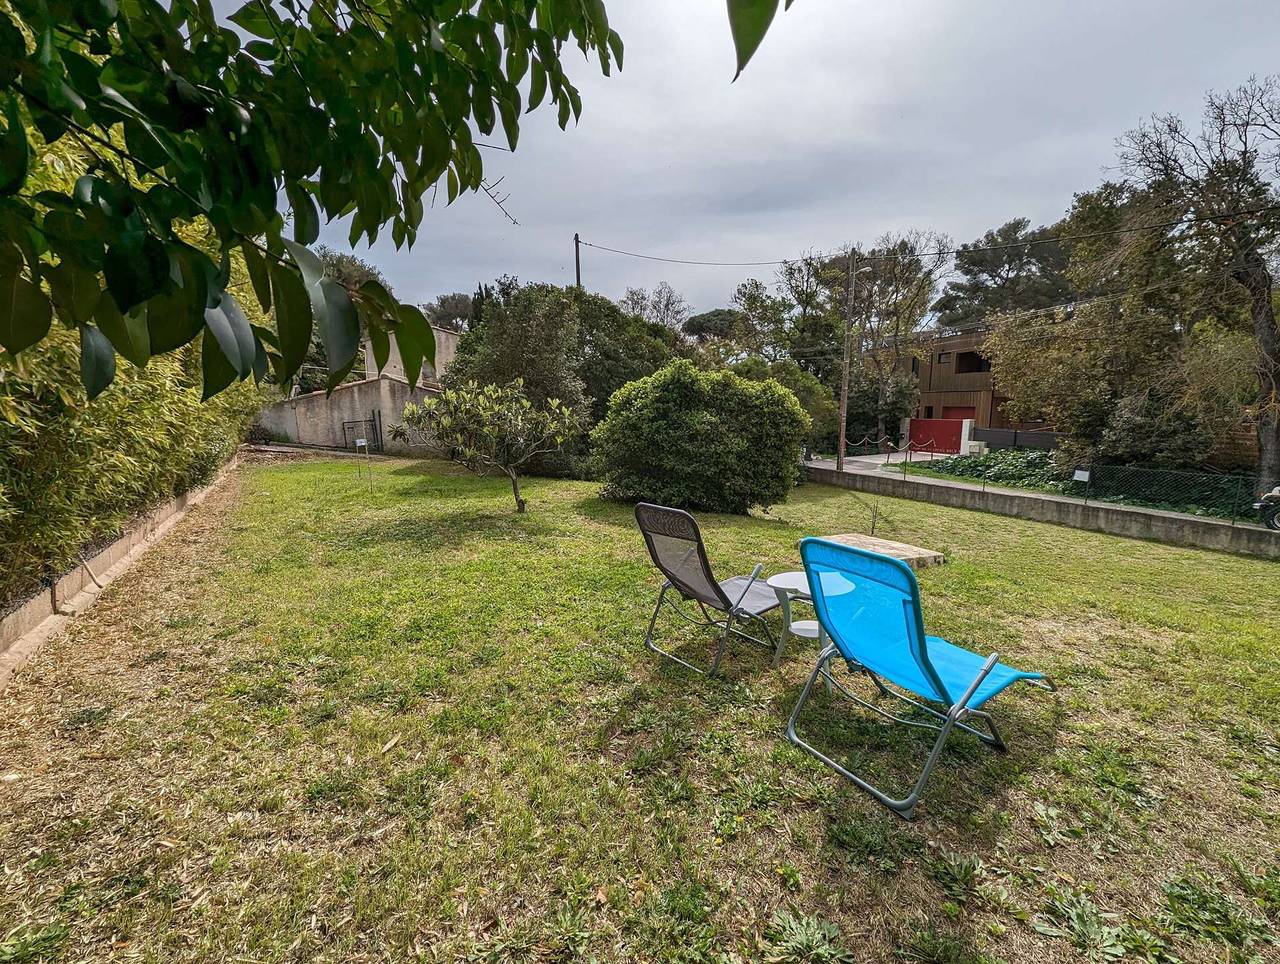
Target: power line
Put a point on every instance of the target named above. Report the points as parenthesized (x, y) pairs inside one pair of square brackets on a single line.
[(651, 257), (964, 249)]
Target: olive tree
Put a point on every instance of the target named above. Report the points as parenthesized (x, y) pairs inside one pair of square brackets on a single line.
[(488, 428)]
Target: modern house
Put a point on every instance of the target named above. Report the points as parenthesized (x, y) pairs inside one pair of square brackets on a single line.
[(955, 382)]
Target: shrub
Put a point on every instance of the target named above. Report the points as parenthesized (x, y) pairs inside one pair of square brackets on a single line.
[(73, 472), (700, 440), (1027, 468), (815, 398)]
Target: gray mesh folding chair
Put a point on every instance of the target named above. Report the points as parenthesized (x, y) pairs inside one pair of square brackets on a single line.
[(869, 605), (675, 545)]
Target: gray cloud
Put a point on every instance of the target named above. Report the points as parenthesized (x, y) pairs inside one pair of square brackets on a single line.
[(855, 118)]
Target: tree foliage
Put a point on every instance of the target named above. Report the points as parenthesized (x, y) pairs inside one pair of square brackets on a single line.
[(617, 348), (701, 440), (345, 109), (663, 305), (716, 323), (1229, 165), (487, 428), (1122, 384), (1012, 267), (531, 332), (565, 343), (452, 311)]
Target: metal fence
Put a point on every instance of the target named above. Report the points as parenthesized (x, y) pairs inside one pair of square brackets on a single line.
[(1195, 493), (1012, 438), (369, 430)]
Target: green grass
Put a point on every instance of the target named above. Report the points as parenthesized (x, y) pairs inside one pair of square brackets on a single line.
[(319, 722)]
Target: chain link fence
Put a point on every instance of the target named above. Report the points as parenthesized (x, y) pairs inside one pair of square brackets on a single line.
[(1195, 493)]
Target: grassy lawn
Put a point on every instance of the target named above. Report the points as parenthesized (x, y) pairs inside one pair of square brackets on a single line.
[(319, 723)]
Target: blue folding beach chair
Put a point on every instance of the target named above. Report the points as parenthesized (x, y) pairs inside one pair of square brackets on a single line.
[(869, 605)]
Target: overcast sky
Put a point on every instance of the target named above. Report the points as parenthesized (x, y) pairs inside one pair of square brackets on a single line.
[(855, 117)]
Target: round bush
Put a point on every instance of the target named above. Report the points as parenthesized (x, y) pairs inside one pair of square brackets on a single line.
[(712, 441)]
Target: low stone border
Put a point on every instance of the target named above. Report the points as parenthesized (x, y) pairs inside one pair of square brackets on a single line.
[(28, 627), (1172, 527)]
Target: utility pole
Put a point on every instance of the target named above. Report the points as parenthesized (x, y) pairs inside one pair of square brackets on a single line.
[(844, 370), (577, 257)]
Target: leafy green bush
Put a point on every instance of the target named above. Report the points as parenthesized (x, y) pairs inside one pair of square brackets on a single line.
[(815, 398), (700, 440), (1026, 468), (73, 471)]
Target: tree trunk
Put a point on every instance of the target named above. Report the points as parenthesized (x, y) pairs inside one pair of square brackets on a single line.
[(1256, 279), (881, 393), (515, 490)]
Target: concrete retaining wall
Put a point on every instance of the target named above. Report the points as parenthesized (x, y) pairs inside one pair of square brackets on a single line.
[(316, 418), (1138, 523), (25, 629)]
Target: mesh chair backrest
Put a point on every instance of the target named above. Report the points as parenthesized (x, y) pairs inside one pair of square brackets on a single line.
[(869, 604), (675, 544)]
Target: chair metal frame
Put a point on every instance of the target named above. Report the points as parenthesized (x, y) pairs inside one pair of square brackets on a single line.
[(731, 608), (953, 717)]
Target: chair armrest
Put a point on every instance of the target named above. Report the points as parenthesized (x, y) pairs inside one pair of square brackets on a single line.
[(755, 574), (983, 673)]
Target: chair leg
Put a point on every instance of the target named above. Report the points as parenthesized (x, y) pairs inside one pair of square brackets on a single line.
[(720, 648), (903, 806), (994, 740), (723, 645)]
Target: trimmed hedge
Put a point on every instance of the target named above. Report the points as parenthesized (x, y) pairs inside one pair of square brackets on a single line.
[(712, 441), (73, 473)]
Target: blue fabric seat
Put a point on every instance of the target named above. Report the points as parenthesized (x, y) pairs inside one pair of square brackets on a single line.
[(869, 606), (957, 667)]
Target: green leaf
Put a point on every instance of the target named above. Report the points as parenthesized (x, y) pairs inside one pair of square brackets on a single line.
[(335, 315), (15, 153), (749, 21), (339, 329), (261, 362), (412, 318), (25, 312), (381, 346), (259, 276), (216, 370), (293, 316), (253, 18), (136, 270), (615, 45), (75, 292), (409, 343), (306, 220), (128, 333), (97, 361), (176, 317), (537, 85), (230, 328), (311, 267)]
